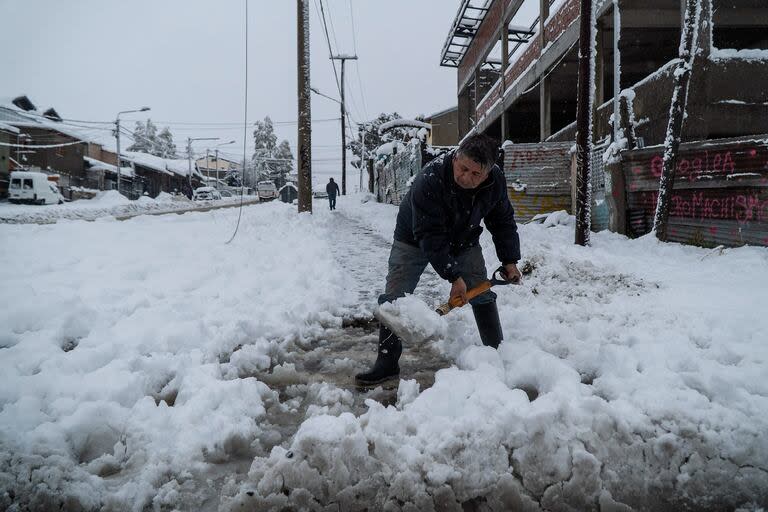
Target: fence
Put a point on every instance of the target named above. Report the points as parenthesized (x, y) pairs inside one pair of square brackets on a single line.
[(394, 171), (720, 195), (538, 177)]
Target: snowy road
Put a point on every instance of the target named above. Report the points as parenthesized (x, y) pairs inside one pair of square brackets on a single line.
[(147, 365)]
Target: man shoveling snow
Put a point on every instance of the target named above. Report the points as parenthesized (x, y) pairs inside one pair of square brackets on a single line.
[(439, 224)]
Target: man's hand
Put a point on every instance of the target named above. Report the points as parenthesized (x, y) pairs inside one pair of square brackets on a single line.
[(512, 274), (459, 289)]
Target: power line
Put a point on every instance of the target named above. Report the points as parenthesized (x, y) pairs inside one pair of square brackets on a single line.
[(245, 129)]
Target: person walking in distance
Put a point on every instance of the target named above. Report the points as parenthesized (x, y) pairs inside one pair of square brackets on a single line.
[(438, 223), (332, 188)]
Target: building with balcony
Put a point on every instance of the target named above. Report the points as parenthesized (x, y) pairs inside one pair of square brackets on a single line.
[(517, 70)]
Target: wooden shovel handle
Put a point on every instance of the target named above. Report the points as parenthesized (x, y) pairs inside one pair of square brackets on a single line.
[(456, 302)]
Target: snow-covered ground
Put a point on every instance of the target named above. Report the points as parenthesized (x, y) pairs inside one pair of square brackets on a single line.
[(143, 367), (105, 204)]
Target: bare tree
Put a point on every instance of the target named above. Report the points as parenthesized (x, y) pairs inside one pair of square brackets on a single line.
[(682, 77)]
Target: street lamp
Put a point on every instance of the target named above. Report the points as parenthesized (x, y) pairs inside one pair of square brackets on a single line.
[(215, 159), (117, 136), (189, 157)]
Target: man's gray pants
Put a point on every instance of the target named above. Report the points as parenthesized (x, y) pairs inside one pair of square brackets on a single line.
[(407, 263)]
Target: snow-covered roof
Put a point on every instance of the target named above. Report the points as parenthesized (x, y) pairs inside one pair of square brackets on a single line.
[(8, 128), (98, 165), (15, 116), (289, 184), (156, 163), (441, 112), (403, 123)]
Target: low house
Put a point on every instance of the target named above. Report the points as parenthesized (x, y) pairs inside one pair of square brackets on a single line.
[(445, 127), (85, 157), (158, 174), (8, 136)]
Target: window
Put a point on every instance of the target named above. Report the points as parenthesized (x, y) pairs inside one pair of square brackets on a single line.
[(16, 183), (27, 184)]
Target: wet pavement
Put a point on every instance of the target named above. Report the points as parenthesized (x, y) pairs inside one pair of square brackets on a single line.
[(329, 360)]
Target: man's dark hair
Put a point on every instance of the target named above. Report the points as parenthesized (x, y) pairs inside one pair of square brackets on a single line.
[(481, 149)]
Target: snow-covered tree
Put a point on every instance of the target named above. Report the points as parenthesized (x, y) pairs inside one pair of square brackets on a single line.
[(147, 140), (271, 161), (372, 137), (141, 142), (165, 145)]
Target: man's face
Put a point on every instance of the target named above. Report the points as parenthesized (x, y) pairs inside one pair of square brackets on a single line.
[(467, 173)]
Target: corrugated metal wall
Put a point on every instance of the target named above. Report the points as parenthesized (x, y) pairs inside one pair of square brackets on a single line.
[(720, 194), (395, 171), (538, 177), (599, 210)]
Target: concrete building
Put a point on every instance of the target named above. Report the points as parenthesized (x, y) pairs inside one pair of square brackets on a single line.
[(445, 127), (518, 82), (215, 167)]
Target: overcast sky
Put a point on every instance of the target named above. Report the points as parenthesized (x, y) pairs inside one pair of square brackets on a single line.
[(185, 59)]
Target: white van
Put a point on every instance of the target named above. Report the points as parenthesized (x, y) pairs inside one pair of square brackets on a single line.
[(266, 190), (33, 187)]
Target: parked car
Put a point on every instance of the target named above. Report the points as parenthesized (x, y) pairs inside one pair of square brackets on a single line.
[(206, 194), (33, 187), (226, 193), (266, 190), (320, 194)]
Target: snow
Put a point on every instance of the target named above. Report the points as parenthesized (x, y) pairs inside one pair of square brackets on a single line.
[(106, 204), (746, 54), (134, 373), (98, 165), (404, 123), (9, 128), (389, 147)]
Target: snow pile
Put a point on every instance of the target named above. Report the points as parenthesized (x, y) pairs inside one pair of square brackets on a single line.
[(404, 123), (105, 204), (558, 218), (132, 353), (389, 148), (143, 368), (411, 318), (628, 378), (746, 54)]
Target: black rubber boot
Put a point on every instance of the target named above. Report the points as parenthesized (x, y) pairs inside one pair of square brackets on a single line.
[(487, 318), (385, 367)]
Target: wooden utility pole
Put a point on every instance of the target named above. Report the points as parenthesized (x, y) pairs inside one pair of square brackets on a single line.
[(369, 163), (305, 115), (343, 58), (584, 123), (682, 77)]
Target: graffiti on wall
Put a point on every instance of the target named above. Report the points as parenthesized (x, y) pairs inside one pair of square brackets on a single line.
[(720, 193)]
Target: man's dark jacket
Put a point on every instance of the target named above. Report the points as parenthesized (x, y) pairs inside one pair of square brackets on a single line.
[(332, 188), (444, 220)]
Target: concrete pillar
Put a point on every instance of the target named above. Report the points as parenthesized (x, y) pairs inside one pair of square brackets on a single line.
[(504, 65), (545, 109), (477, 94), (545, 99), (599, 66), (465, 106), (543, 15)]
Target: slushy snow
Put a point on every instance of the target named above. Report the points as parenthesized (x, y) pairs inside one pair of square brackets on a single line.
[(139, 361)]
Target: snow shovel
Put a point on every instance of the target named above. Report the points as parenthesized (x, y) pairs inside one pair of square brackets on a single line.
[(496, 279), (415, 321)]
